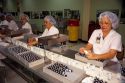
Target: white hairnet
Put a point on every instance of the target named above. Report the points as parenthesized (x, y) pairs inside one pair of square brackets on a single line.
[(113, 18), (11, 16), (26, 16), (51, 20)]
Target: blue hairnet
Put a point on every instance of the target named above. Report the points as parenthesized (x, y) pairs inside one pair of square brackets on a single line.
[(51, 20), (113, 18)]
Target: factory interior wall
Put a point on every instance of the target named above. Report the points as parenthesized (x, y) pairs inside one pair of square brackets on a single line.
[(54, 5)]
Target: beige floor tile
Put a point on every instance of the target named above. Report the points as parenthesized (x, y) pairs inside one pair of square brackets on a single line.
[(12, 77)]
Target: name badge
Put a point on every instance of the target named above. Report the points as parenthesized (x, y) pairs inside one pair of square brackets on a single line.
[(98, 40)]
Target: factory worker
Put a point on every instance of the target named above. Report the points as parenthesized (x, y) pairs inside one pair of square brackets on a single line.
[(25, 28), (3, 25), (50, 28), (3, 20), (11, 23), (25, 23), (105, 42)]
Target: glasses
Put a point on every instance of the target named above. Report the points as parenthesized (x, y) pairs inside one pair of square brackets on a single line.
[(104, 23), (46, 22)]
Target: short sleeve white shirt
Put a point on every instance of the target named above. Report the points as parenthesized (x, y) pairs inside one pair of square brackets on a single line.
[(52, 31), (111, 41), (5, 22), (13, 26), (27, 26)]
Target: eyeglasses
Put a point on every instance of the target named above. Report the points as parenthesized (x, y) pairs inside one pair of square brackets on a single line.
[(104, 23)]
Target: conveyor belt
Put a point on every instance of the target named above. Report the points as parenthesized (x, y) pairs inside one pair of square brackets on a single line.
[(70, 53)]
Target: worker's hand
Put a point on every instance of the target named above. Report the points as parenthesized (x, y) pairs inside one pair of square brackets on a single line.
[(88, 53), (32, 41), (81, 50), (91, 55)]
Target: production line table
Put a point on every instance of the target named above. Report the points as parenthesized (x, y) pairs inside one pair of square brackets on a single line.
[(36, 74), (31, 75)]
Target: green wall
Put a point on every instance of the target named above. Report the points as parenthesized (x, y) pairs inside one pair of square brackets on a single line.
[(103, 5), (10, 5), (43, 5), (51, 5)]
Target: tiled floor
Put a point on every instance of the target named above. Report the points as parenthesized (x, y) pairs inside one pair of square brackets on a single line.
[(12, 77)]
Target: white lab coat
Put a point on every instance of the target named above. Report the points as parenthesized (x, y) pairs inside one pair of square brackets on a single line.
[(111, 41), (27, 26), (12, 25), (52, 31), (5, 22)]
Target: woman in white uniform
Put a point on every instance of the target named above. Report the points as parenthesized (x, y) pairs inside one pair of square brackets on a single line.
[(105, 42), (50, 26), (3, 20), (25, 24), (50, 30), (25, 28), (11, 23)]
